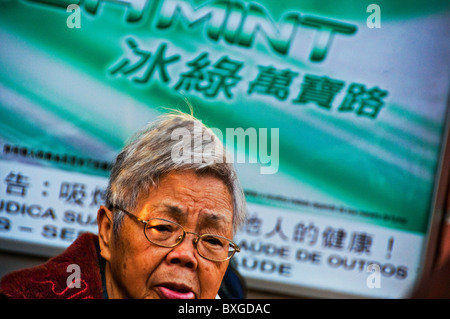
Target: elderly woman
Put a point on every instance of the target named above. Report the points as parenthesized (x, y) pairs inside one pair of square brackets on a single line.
[(165, 231)]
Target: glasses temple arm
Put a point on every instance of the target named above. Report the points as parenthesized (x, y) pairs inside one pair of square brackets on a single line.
[(131, 215)]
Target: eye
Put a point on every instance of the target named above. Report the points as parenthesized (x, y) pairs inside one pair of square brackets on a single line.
[(163, 232), (213, 241), (161, 228)]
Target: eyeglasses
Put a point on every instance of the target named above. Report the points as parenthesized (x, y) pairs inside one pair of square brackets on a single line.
[(169, 234)]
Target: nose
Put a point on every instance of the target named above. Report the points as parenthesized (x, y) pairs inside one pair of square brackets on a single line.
[(184, 254)]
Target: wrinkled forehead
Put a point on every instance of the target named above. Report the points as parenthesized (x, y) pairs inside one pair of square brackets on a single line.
[(187, 198)]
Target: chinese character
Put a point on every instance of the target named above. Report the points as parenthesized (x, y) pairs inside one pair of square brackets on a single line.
[(272, 82), (306, 233), (146, 62), (277, 230), (210, 80), (368, 102), (73, 193), (253, 225), (195, 77), (16, 184), (98, 196), (360, 242), (334, 238), (320, 90)]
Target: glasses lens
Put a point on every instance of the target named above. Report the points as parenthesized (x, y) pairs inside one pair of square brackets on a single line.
[(163, 232), (215, 247), (166, 233)]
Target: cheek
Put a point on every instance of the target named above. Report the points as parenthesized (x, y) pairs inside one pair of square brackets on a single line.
[(121, 261), (133, 265), (210, 278), (133, 252)]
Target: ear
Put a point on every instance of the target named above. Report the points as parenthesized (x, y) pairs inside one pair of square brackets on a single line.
[(105, 231)]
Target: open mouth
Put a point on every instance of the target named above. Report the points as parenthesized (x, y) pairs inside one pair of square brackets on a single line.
[(175, 291)]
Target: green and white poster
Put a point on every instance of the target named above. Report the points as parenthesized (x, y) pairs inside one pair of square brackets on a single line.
[(343, 106)]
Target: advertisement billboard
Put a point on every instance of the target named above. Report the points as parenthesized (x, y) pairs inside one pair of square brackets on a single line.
[(343, 110)]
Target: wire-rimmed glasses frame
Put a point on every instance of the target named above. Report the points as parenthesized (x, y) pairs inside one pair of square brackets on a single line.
[(199, 238)]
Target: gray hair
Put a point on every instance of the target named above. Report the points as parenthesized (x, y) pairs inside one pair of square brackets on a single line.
[(149, 156)]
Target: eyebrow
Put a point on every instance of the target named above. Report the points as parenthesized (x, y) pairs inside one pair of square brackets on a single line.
[(176, 212), (207, 218)]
